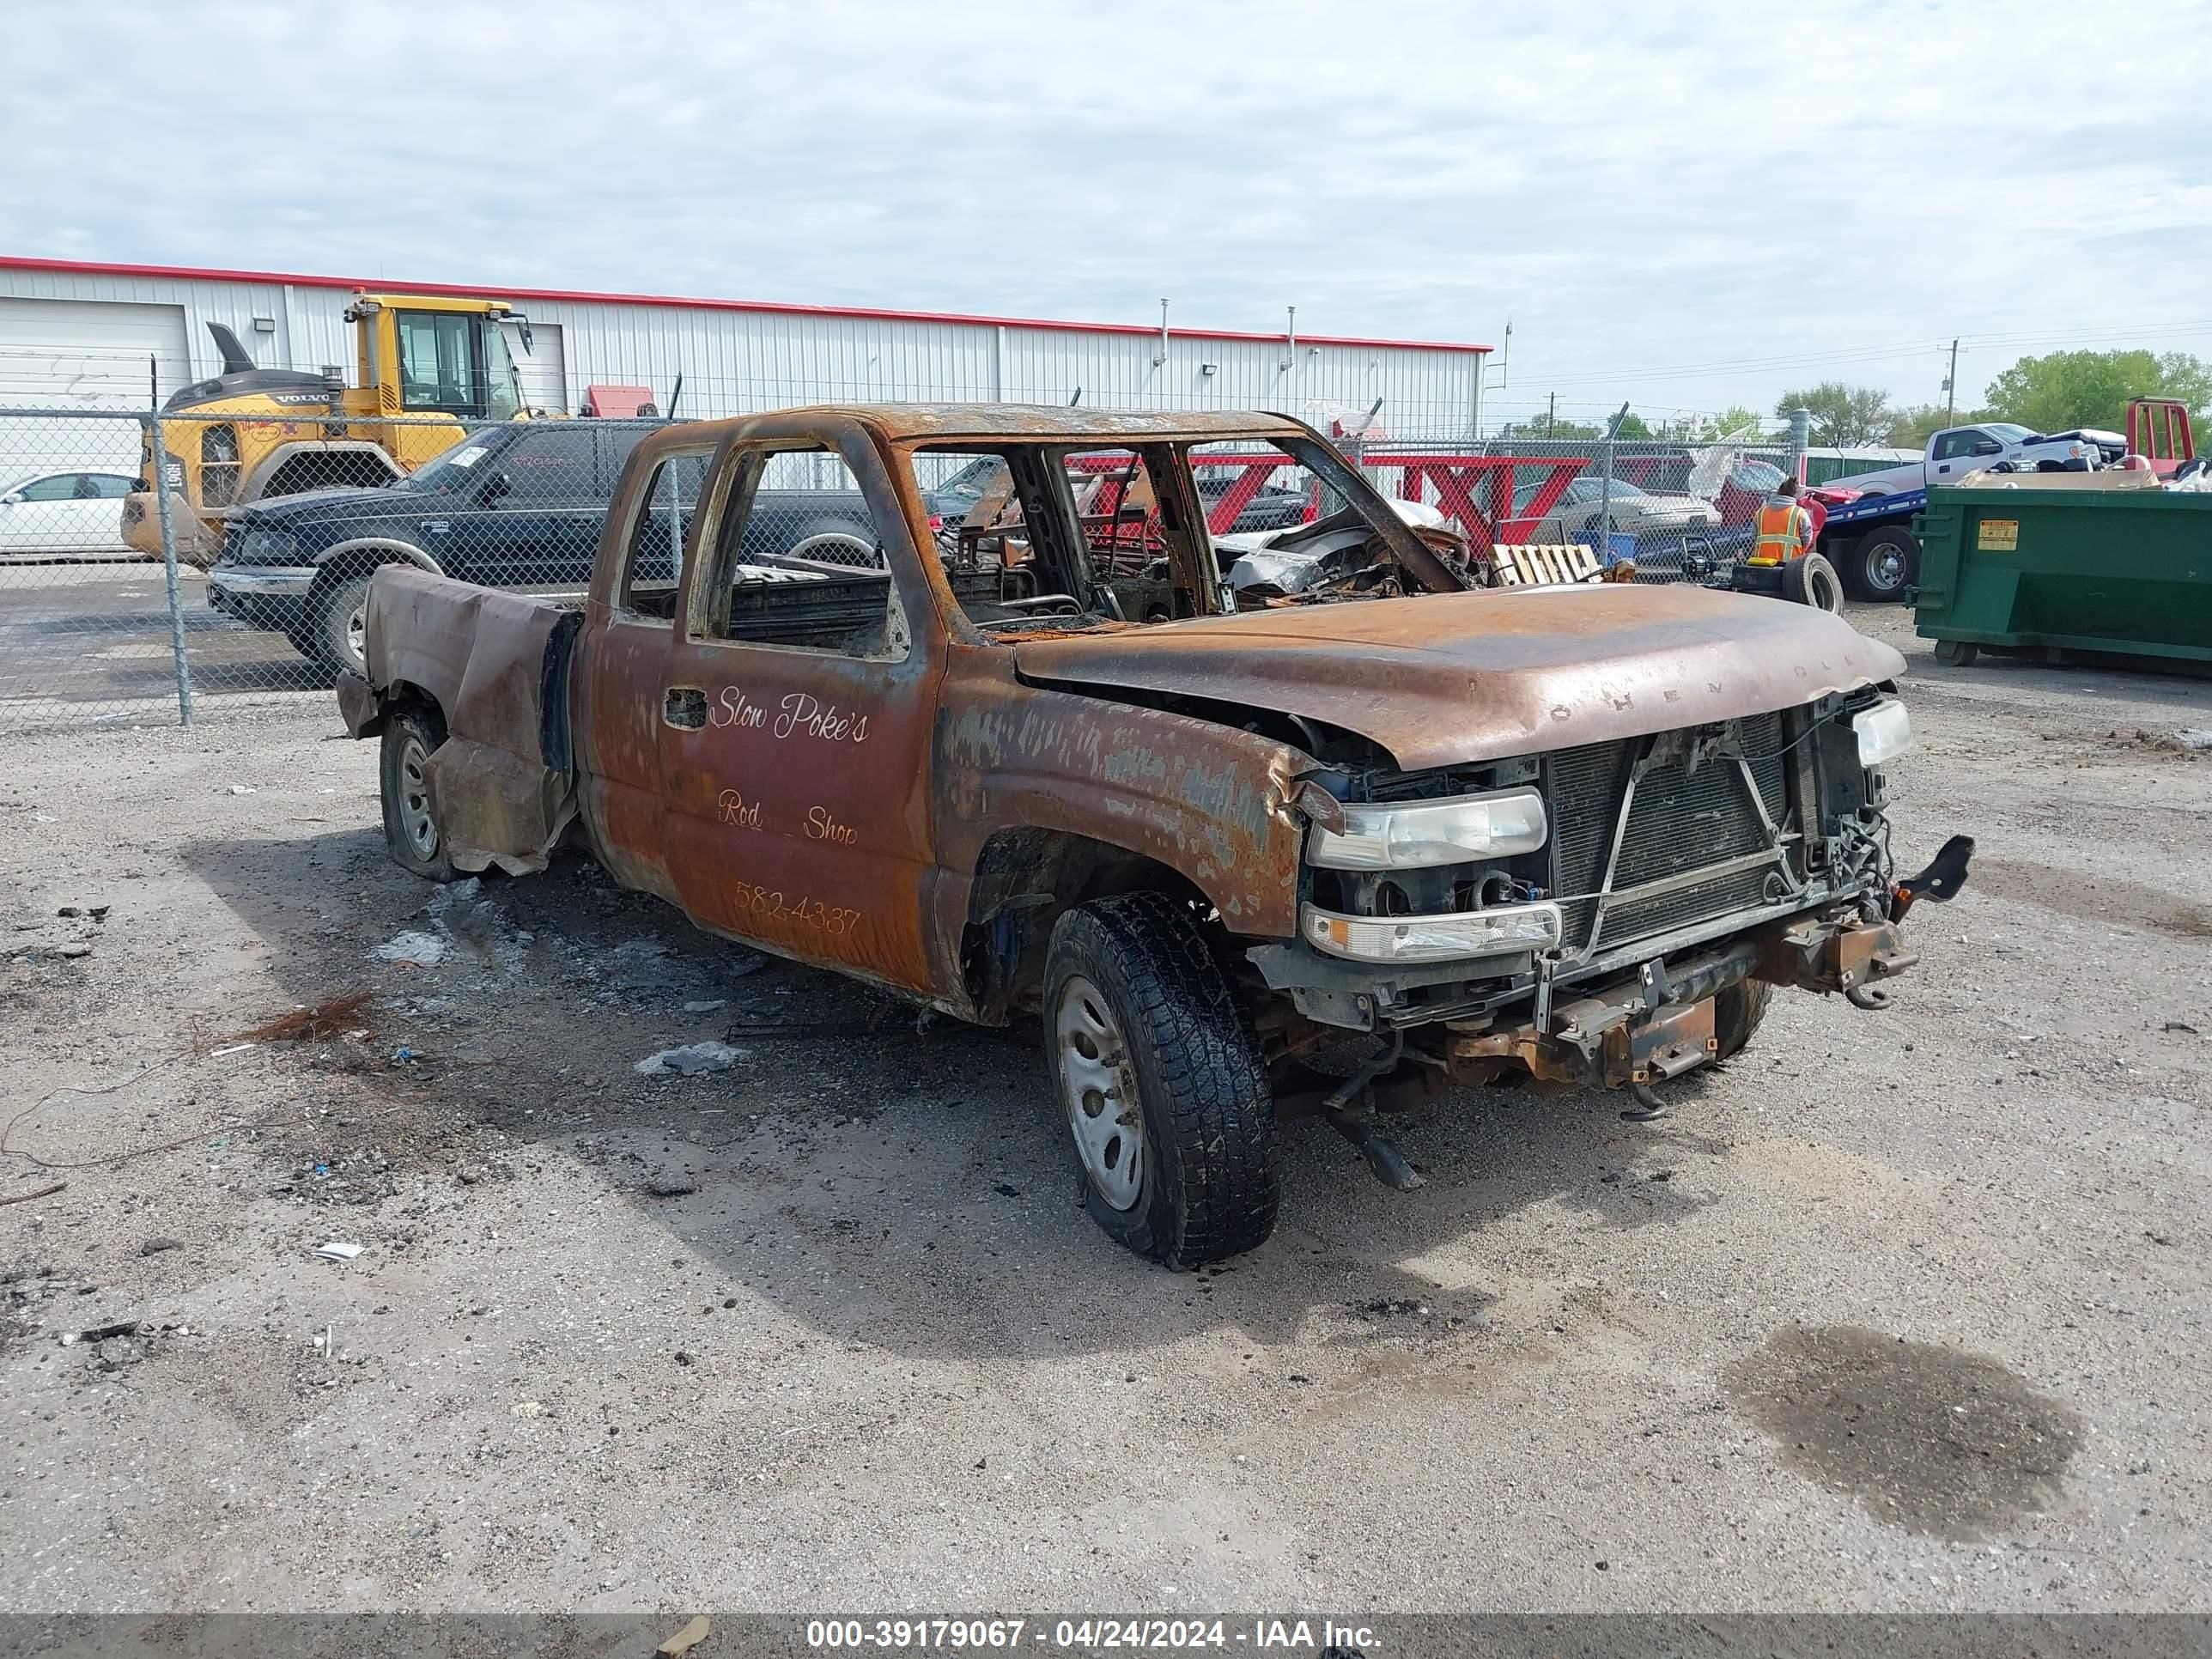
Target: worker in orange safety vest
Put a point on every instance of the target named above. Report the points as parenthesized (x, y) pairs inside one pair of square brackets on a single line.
[(1785, 527)]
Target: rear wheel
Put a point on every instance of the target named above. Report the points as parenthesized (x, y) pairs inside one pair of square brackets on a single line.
[(411, 833), (1164, 1090), (1956, 654), (1813, 581), (1883, 564)]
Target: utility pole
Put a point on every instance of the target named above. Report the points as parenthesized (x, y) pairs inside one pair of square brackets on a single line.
[(1950, 384), (1552, 415)]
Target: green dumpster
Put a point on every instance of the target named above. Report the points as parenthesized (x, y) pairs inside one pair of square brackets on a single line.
[(2044, 569)]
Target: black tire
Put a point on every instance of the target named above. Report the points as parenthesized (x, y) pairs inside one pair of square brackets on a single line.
[(411, 835), (1883, 565), (1813, 581), (1956, 654), (1207, 1187), (329, 635), (1737, 1012)]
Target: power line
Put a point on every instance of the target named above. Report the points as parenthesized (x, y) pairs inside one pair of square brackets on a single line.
[(1868, 354)]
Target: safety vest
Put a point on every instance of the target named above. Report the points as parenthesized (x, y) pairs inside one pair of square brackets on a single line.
[(1780, 538)]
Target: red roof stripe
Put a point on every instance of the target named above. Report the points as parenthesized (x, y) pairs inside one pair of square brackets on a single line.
[(493, 291)]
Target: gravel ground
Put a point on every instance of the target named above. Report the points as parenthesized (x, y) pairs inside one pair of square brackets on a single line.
[(1902, 1310)]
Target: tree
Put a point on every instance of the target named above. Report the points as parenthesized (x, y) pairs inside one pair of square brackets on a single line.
[(1735, 420), (1632, 429), (1910, 428), (1843, 416), (1540, 426), (2067, 389)]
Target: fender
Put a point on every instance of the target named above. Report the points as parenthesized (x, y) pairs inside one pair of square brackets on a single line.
[(1208, 801), (389, 551)]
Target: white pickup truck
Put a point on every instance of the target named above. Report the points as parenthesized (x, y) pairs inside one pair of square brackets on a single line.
[(1956, 451)]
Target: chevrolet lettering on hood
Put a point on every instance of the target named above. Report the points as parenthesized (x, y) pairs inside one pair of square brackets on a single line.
[(999, 735)]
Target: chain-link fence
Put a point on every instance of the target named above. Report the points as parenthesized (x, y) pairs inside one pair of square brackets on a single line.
[(238, 568), (1678, 510), (91, 627)]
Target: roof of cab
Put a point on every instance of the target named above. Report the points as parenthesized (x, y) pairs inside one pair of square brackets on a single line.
[(1028, 423)]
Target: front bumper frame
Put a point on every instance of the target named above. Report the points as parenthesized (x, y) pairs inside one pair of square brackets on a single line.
[(273, 596), (1660, 1021)]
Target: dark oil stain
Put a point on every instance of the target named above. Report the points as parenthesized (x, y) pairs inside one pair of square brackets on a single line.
[(2089, 896), (1929, 1439)]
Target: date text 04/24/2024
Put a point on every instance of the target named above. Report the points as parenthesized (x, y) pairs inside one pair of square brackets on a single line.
[(1324, 1637)]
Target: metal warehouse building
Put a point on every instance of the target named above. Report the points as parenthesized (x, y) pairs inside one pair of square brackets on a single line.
[(89, 335)]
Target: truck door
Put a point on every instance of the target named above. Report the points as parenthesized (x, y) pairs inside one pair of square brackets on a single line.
[(796, 717), (1956, 453), (538, 515)]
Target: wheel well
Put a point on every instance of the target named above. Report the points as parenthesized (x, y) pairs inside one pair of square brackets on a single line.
[(359, 561), (330, 469), (396, 699), (1026, 880)]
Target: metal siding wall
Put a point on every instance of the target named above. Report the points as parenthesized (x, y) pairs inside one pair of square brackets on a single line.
[(736, 362)]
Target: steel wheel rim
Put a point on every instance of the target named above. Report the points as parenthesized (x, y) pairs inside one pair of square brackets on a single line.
[(356, 633), (1886, 570), (1099, 1088), (415, 799)]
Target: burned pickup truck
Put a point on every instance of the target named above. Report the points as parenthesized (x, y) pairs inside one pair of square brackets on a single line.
[(1332, 851)]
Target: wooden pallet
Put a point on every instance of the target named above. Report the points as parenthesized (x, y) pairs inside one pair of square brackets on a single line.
[(1546, 564)]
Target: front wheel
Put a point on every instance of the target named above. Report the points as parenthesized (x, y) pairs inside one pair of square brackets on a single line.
[(1812, 580), (1164, 1090), (411, 833), (334, 634), (1737, 1012)]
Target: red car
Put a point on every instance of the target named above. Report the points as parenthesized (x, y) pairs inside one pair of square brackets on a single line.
[(1752, 482)]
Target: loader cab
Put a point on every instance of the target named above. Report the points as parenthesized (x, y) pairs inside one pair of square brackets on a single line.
[(424, 357)]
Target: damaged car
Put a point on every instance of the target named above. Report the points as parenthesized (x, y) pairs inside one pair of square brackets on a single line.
[(1386, 832)]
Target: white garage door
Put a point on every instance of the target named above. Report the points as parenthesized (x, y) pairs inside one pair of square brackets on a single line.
[(544, 371), (88, 354), (81, 354)]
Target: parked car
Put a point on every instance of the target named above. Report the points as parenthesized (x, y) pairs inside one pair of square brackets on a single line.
[(72, 514), (1956, 451), (1668, 529), (1416, 819), (1274, 508), (518, 505)]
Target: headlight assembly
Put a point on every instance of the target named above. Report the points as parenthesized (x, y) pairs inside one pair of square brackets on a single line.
[(1514, 930), (1884, 731), (261, 547), (1416, 835)]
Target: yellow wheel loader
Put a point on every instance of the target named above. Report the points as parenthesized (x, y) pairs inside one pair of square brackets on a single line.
[(424, 369)]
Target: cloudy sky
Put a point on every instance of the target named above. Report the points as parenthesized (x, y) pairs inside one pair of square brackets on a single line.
[(1689, 207)]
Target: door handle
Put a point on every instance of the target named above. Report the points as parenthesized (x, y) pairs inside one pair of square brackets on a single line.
[(685, 706)]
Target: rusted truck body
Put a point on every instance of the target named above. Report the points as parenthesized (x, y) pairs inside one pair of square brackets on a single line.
[(1334, 852)]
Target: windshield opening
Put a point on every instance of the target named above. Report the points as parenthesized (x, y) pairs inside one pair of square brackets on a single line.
[(450, 471), (1059, 537)]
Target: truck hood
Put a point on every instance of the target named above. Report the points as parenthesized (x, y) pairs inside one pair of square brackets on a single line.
[(1665, 512), (311, 506), (1439, 679)]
